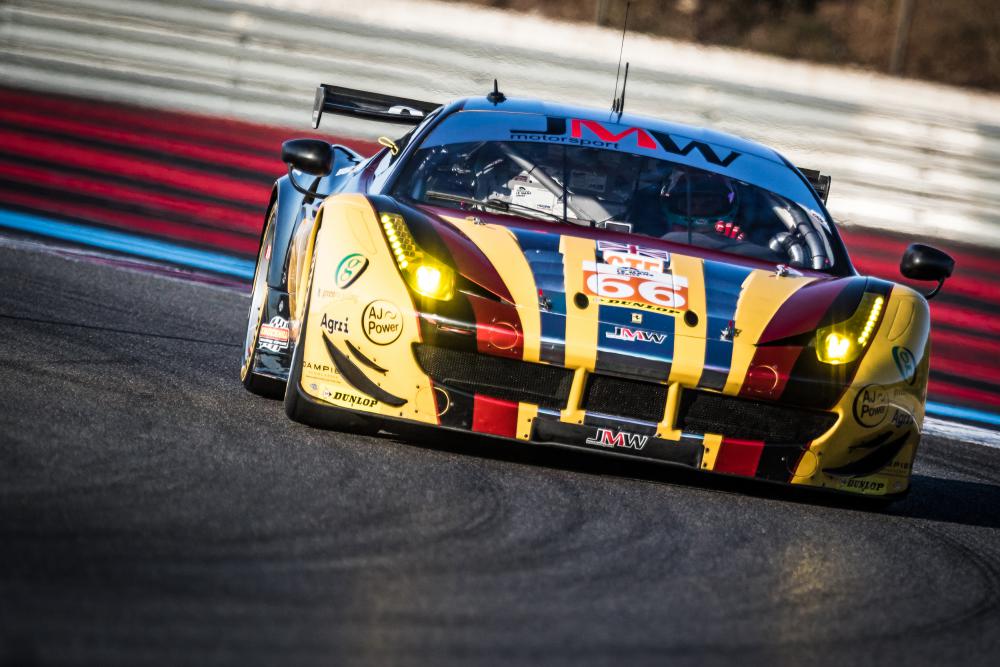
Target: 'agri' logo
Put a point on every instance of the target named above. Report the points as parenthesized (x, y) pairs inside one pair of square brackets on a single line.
[(605, 437), (334, 326)]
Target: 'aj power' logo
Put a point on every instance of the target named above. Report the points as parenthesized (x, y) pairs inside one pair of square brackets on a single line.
[(871, 405), (381, 322)]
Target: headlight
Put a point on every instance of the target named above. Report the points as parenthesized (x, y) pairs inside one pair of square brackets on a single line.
[(424, 274), (843, 342)]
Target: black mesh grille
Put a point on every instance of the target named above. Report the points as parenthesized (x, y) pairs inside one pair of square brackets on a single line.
[(625, 398), (499, 377), (704, 412)]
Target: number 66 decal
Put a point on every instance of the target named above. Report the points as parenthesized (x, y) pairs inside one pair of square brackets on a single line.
[(624, 286)]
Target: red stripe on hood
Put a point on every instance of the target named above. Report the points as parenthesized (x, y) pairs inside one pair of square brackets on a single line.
[(803, 310), (778, 358), (800, 314), (498, 328), (469, 260)]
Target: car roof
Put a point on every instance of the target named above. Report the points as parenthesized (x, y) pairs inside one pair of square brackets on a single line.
[(536, 106)]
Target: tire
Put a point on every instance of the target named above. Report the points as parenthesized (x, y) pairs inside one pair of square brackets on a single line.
[(252, 382), (300, 408)]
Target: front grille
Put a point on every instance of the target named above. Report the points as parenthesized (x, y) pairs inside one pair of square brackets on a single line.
[(499, 377), (704, 412), (625, 398)]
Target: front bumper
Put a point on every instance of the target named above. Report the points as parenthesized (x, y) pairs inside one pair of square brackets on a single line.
[(375, 349), (476, 393), (689, 453)]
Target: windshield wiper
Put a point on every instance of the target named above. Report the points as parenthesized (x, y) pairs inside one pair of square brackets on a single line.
[(500, 205)]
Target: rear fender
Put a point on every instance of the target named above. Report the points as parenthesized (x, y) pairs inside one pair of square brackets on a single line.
[(287, 202)]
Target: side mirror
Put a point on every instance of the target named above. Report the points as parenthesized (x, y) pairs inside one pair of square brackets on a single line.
[(922, 262), (310, 156)]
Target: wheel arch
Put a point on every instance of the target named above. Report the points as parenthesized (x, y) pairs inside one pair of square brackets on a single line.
[(287, 202)]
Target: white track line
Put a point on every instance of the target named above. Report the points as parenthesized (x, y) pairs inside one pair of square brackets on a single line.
[(974, 435)]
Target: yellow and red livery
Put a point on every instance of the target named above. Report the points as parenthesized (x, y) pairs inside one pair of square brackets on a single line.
[(387, 302)]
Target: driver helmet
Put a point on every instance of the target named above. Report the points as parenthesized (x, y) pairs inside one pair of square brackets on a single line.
[(701, 200)]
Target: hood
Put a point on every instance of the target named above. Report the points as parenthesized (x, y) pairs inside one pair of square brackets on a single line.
[(622, 305)]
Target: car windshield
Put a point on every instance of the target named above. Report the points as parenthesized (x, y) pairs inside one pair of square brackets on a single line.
[(619, 190)]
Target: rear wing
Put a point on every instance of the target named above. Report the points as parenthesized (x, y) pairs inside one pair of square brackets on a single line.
[(819, 182), (372, 106)]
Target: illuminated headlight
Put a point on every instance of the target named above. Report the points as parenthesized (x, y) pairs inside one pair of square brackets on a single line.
[(843, 342), (424, 274), (836, 347), (428, 279)]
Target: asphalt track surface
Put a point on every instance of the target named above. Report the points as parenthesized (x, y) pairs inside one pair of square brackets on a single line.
[(153, 512)]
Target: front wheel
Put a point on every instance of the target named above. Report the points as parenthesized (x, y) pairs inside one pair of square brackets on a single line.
[(299, 408), (259, 294)]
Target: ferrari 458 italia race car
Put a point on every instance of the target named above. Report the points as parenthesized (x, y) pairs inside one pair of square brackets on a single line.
[(569, 276)]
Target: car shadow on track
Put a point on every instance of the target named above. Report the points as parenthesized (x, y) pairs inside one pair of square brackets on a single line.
[(931, 498), (951, 501), (980, 496)]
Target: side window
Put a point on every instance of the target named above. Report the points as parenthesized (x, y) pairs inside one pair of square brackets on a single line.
[(401, 143), (385, 163), (383, 168), (419, 128)]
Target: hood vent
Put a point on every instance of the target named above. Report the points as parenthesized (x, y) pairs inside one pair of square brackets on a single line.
[(498, 377)]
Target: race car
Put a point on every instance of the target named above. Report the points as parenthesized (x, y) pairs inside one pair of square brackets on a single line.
[(569, 276)]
